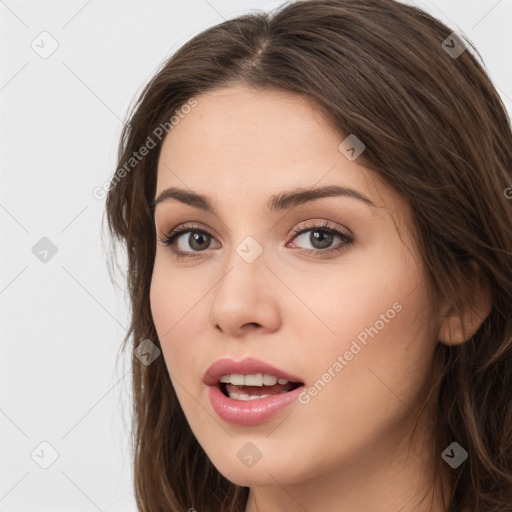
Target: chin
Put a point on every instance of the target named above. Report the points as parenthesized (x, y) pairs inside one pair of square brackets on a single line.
[(261, 472), (249, 477)]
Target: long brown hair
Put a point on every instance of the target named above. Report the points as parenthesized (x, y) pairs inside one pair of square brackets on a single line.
[(434, 128)]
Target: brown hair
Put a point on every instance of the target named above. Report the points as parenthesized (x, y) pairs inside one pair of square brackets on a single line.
[(434, 128)]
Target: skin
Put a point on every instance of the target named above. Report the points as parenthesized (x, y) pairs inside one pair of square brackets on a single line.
[(351, 447)]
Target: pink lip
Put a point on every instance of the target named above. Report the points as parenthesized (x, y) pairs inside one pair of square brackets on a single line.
[(251, 412)]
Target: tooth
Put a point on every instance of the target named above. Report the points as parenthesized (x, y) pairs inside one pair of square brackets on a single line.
[(237, 379), (245, 397), (269, 380), (254, 379)]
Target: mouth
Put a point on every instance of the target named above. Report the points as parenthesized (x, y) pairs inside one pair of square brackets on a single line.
[(254, 386), (250, 392), (249, 379)]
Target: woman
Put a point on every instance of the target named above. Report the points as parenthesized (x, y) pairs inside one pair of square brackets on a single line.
[(315, 210)]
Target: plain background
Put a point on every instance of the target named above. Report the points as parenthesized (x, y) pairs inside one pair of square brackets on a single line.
[(62, 321)]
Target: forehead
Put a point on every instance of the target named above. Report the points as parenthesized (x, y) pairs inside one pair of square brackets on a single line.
[(248, 121), (246, 136)]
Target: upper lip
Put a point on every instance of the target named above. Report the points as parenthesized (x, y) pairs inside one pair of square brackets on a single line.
[(247, 366)]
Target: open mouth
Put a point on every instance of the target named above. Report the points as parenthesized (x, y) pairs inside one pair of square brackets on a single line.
[(247, 380), (248, 392)]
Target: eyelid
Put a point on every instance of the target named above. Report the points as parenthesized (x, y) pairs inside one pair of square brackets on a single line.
[(325, 224)]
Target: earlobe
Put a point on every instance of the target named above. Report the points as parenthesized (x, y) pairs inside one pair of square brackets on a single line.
[(459, 326)]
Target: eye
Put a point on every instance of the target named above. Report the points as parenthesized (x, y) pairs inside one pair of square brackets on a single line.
[(198, 240), (321, 238)]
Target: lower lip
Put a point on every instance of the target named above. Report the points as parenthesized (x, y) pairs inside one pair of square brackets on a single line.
[(251, 412)]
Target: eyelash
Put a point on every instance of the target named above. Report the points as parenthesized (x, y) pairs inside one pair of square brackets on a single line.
[(347, 240)]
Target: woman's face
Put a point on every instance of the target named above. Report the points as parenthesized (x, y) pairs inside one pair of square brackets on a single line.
[(347, 316)]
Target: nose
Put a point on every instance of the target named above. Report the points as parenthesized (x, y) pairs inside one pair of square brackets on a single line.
[(245, 298)]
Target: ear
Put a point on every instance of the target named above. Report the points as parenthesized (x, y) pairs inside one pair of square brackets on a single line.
[(458, 327)]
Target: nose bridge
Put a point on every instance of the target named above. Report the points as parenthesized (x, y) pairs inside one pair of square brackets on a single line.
[(242, 295), (247, 241), (245, 266)]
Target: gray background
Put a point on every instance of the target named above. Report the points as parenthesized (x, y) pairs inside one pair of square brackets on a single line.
[(61, 320)]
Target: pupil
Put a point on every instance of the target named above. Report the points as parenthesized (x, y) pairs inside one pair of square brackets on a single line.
[(195, 238), (324, 237)]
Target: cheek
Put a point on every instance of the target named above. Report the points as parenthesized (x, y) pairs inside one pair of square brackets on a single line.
[(375, 314), (360, 378), (367, 288), (173, 312)]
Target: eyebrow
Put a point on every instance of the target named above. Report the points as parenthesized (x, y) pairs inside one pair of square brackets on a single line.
[(279, 202)]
